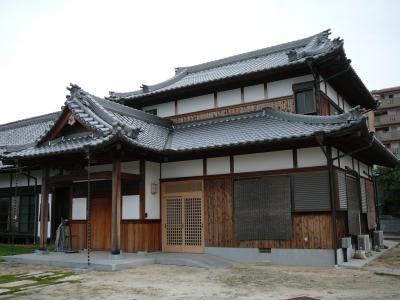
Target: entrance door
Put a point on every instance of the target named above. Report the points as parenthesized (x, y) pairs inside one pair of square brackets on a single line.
[(100, 220), (183, 229)]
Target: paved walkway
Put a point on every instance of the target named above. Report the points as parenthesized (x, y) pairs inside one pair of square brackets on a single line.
[(359, 263), (102, 261)]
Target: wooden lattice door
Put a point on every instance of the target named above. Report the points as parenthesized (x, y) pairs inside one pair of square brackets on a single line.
[(183, 216)]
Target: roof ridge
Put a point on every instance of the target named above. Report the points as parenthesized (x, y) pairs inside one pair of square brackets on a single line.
[(255, 53)]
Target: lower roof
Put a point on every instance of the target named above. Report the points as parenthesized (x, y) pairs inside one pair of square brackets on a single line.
[(109, 122)]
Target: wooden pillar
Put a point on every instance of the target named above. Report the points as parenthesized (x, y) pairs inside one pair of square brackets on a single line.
[(142, 189), (44, 210), (116, 206)]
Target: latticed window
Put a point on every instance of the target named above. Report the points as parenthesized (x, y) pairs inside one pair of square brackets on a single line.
[(5, 207)]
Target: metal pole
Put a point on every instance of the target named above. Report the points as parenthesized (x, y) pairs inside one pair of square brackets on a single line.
[(88, 232), (14, 214)]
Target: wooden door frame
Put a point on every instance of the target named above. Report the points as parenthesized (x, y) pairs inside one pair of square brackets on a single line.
[(182, 195)]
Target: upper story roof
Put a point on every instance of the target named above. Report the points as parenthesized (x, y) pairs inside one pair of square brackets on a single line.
[(272, 59), (105, 122)]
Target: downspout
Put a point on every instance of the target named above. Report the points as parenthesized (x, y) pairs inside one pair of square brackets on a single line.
[(317, 93)]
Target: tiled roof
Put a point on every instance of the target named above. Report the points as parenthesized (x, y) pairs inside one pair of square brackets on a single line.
[(25, 131), (278, 56), (109, 122), (268, 125)]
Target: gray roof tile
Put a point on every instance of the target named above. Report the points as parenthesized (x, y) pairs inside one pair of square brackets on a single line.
[(260, 60)]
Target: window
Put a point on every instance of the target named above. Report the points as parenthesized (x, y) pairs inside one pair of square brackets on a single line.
[(305, 103), (311, 191), (26, 213), (152, 111), (262, 208), (5, 207), (304, 97)]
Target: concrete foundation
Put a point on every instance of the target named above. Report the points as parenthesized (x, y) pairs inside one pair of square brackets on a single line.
[(102, 261), (295, 257)]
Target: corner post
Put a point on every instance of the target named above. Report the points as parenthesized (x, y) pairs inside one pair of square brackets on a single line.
[(116, 205), (44, 210)]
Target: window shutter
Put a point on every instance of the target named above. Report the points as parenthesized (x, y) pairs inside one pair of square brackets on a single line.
[(311, 191), (363, 196), (341, 190), (263, 208), (353, 205), (371, 214)]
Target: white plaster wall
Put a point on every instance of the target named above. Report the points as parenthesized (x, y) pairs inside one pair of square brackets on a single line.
[(335, 153), (347, 106), (164, 109), (310, 157), (254, 93), (5, 180), (218, 165), (152, 201), (263, 161), (363, 168), (331, 92), (79, 207), (230, 97), (322, 85), (130, 167), (130, 207), (38, 175), (195, 104), (340, 102), (283, 87), (346, 161), (185, 168)]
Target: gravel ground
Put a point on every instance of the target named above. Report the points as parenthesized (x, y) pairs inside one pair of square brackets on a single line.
[(241, 282)]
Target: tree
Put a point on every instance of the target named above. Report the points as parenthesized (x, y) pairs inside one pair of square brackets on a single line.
[(388, 183)]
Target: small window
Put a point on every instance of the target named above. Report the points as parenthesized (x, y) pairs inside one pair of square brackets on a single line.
[(152, 111), (305, 103)]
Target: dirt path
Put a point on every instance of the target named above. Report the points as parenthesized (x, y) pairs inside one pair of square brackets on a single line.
[(240, 282)]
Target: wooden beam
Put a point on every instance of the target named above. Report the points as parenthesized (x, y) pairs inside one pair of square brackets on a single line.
[(142, 189), (44, 210), (82, 176), (116, 206), (63, 119)]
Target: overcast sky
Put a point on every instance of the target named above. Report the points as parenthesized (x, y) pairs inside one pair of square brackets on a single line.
[(119, 45)]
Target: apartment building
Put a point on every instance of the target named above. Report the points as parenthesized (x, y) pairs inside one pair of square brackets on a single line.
[(387, 118)]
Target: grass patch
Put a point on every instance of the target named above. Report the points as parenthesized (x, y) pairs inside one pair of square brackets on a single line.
[(6, 249), (56, 277)]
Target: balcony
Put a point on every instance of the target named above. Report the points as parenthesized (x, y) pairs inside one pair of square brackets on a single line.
[(389, 103), (388, 135), (387, 119)]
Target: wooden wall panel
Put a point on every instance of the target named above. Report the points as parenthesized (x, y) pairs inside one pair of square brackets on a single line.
[(140, 236), (282, 103), (341, 229), (78, 232), (219, 222)]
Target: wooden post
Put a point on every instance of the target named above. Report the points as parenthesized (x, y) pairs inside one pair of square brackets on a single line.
[(116, 207), (142, 189), (44, 210)]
